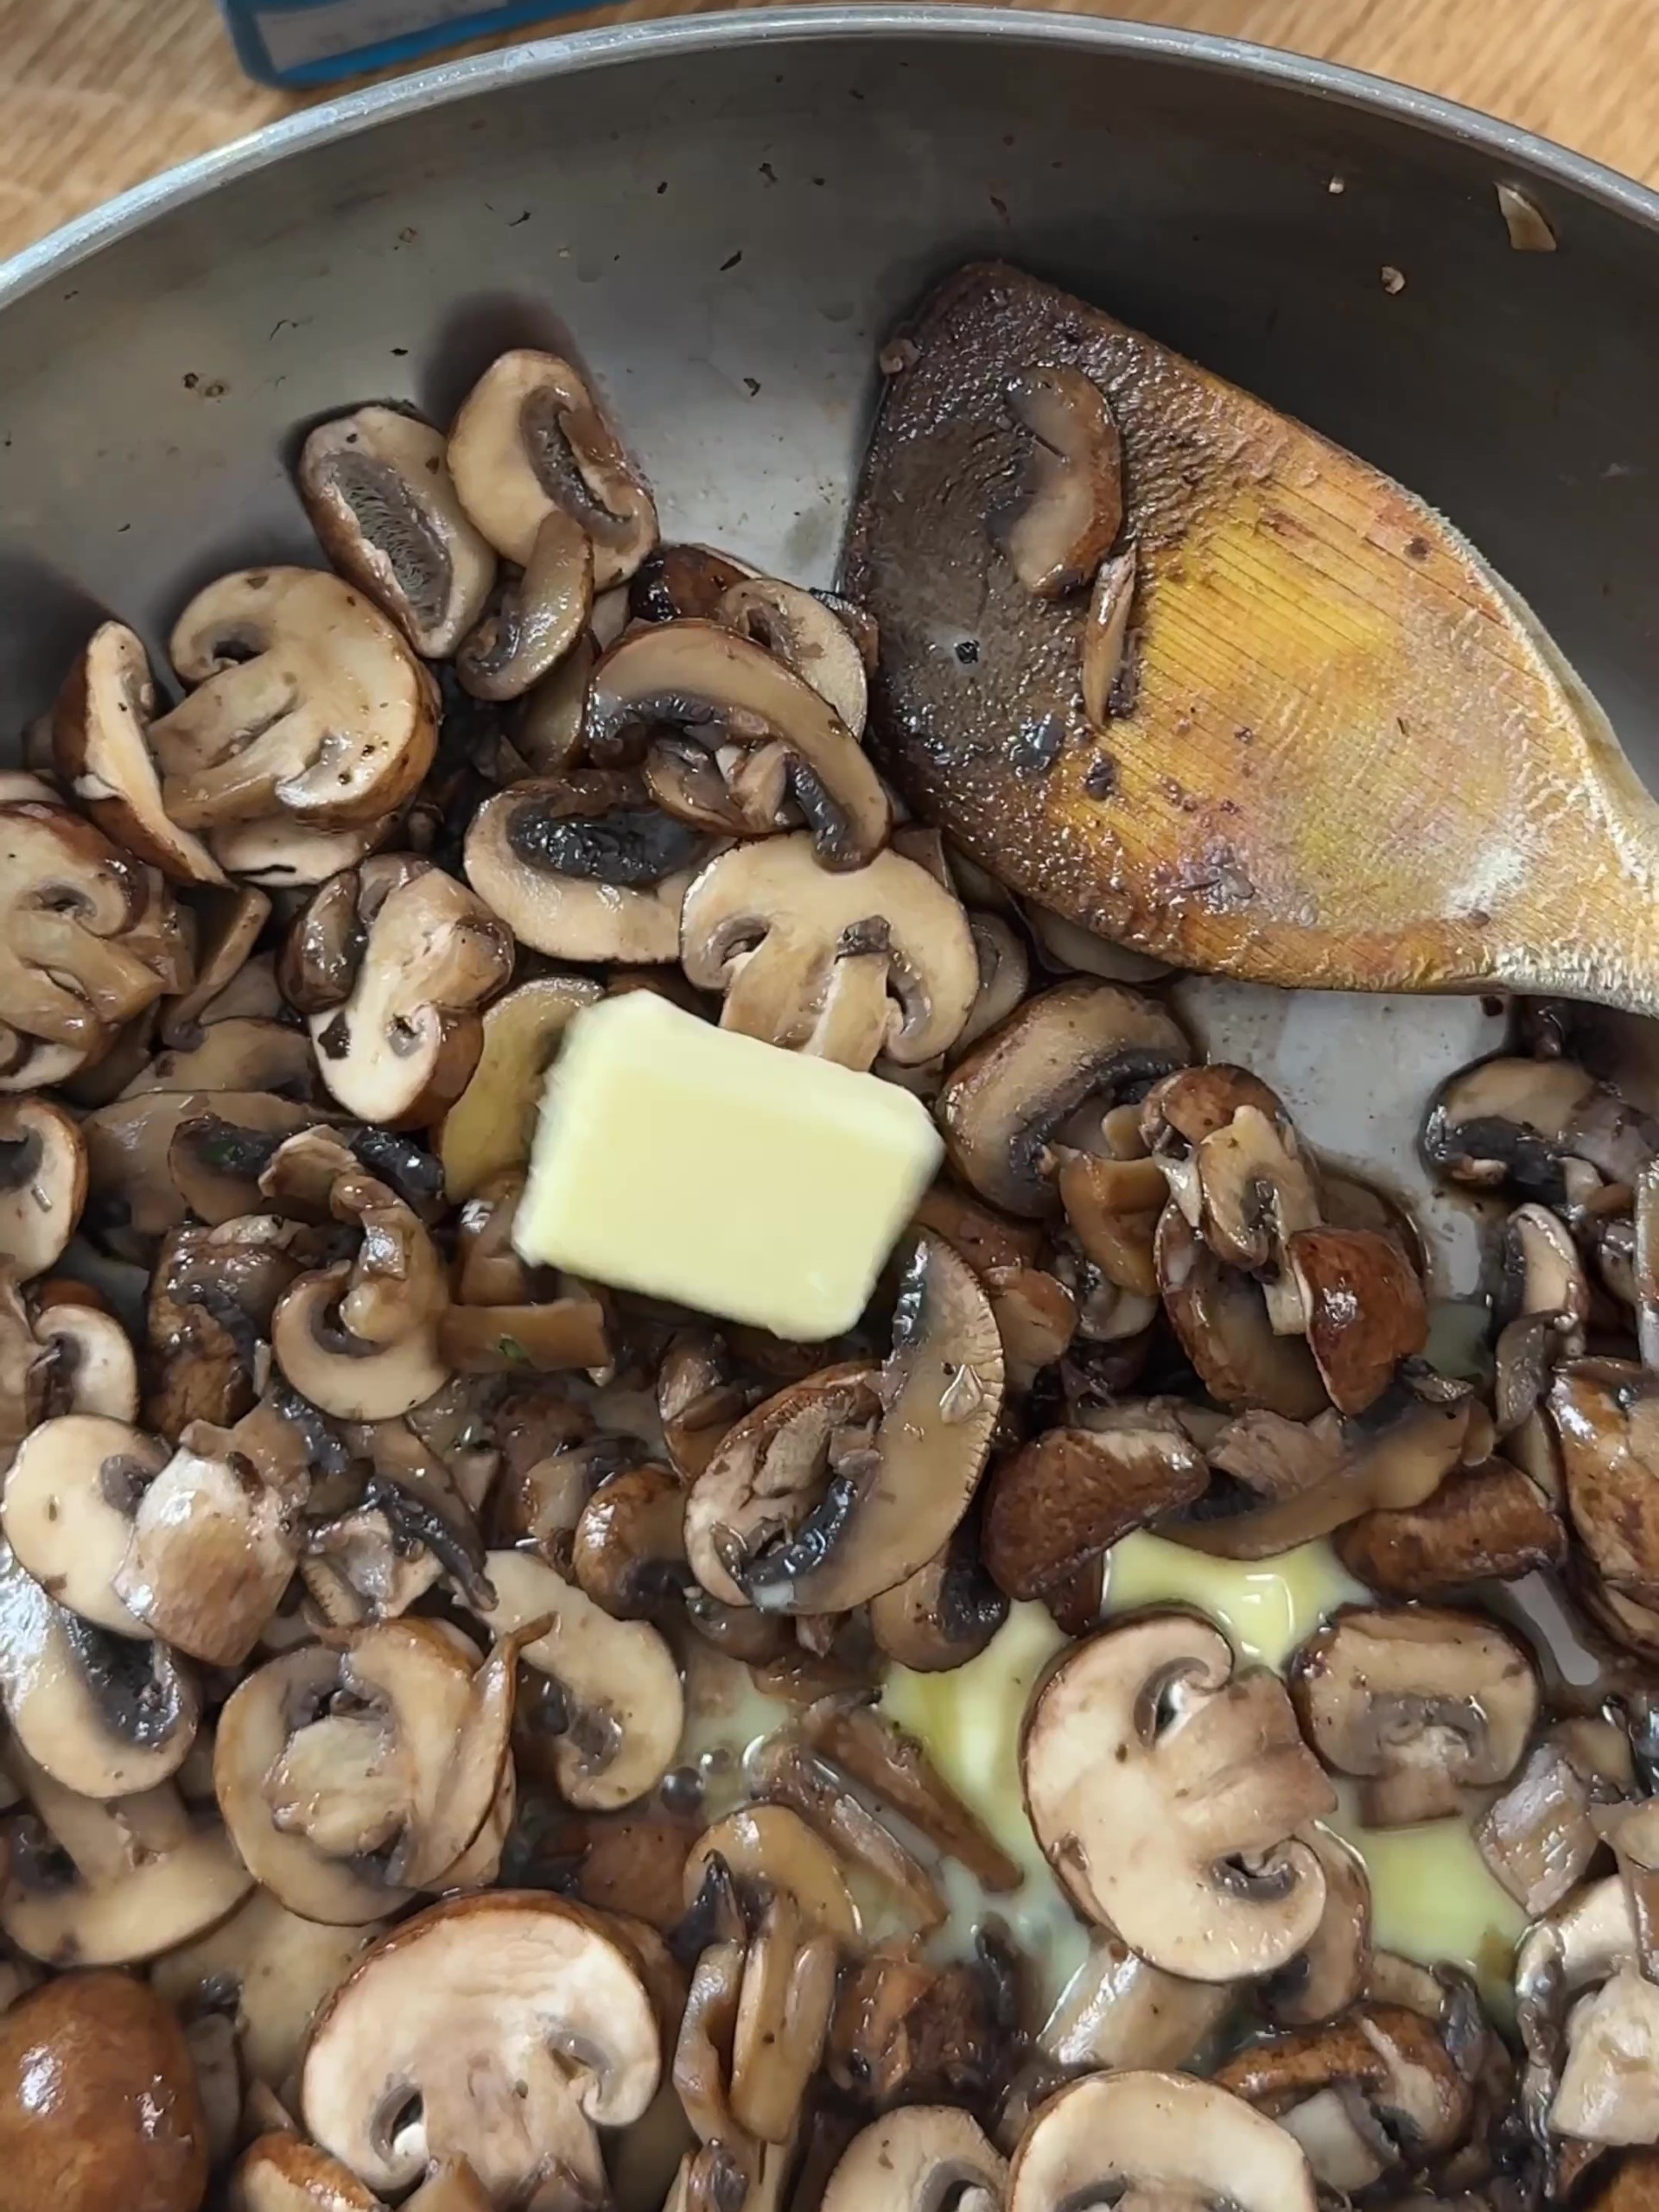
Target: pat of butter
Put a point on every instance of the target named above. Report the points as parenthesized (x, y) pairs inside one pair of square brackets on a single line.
[(693, 1164), (1265, 1607)]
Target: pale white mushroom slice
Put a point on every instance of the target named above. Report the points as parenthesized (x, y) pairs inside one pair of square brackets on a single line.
[(359, 1338), (378, 488), (401, 1045), (1167, 1793), (808, 637), (90, 1366), (100, 742), (68, 1511), (305, 699), (847, 965), (128, 1879), (505, 2028), (530, 439), (623, 1705), (1156, 2140), (920, 2159)]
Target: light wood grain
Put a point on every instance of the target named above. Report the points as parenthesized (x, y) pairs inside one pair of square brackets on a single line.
[(96, 95)]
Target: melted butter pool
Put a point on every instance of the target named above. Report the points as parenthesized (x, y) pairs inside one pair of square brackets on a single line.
[(1265, 1607)]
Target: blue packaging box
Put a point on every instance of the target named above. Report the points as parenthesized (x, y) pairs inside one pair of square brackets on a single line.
[(297, 42)]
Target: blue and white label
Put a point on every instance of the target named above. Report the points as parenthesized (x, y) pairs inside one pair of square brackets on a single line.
[(308, 42)]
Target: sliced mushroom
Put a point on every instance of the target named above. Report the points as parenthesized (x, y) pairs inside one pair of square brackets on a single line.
[(1106, 636), (67, 1510), (71, 964), (1078, 1045), (378, 489), (943, 1615), (675, 581), (1517, 1122), (105, 1715), (87, 1363), (808, 637), (42, 1185), (306, 700), (1540, 1837), (282, 2172), (615, 1708), (1606, 1414), (896, 1769), (1156, 2140), (627, 1550), (286, 854), (535, 617), (1221, 1317), (245, 1052), (1418, 1703), (765, 1850), (913, 2160), (1485, 1524), (583, 866), (115, 1883), (502, 2029), (720, 690), (809, 959), (270, 1970), (530, 439), (787, 1993), (1118, 2010), (1065, 1498), (1609, 2088), (785, 1772), (1334, 1970), (1362, 1306), (359, 1337), (841, 1486), (489, 1128), (1166, 1794), (1073, 507), (349, 1776), (403, 1045), (99, 730)]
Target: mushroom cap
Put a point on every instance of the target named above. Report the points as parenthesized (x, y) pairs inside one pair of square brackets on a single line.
[(519, 2021), (1165, 2138), (720, 688), (1067, 1497), (98, 745), (620, 1688), (67, 1510), (1485, 1524), (1362, 1309), (1078, 1045), (307, 701), (582, 866), (530, 438), (72, 968), (814, 1521), (1221, 1316), (1606, 1414), (282, 2172), (1418, 1701), (98, 2106), (1167, 1793), (808, 958), (378, 489), (915, 2160), (402, 1046)]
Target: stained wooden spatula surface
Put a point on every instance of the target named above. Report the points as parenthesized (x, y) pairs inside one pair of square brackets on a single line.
[(1342, 753)]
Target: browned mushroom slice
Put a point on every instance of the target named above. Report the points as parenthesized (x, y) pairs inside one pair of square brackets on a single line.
[(535, 617), (282, 2172), (787, 1773), (627, 1550), (1112, 1208), (583, 867), (1334, 1971), (944, 1614), (701, 1391), (1118, 2010), (1362, 1306), (1517, 1121), (73, 966), (243, 1052), (1155, 2139), (561, 2035), (1606, 1414), (808, 637), (549, 1339), (1107, 669), (306, 700), (220, 1143), (402, 1048), (809, 959), (1418, 1704), (1540, 1837), (1059, 532), (103, 1715), (1221, 1317), (1167, 1794), (95, 1884), (530, 439), (359, 1337), (1067, 1497), (840, 1487), (382, 502), (765, 1850), (1076, 1051), (675, 581), (721, 690), (895, 1769), (1482, 1523), (42, 1185), (1373, 2094), (98, 742)]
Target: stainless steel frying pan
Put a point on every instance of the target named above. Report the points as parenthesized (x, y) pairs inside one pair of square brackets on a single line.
[(722, 214)]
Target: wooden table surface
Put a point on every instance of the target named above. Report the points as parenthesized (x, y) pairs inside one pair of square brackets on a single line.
[(98, 94)]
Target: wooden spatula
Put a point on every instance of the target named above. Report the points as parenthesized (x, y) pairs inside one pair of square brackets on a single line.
[(1344, 755)]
